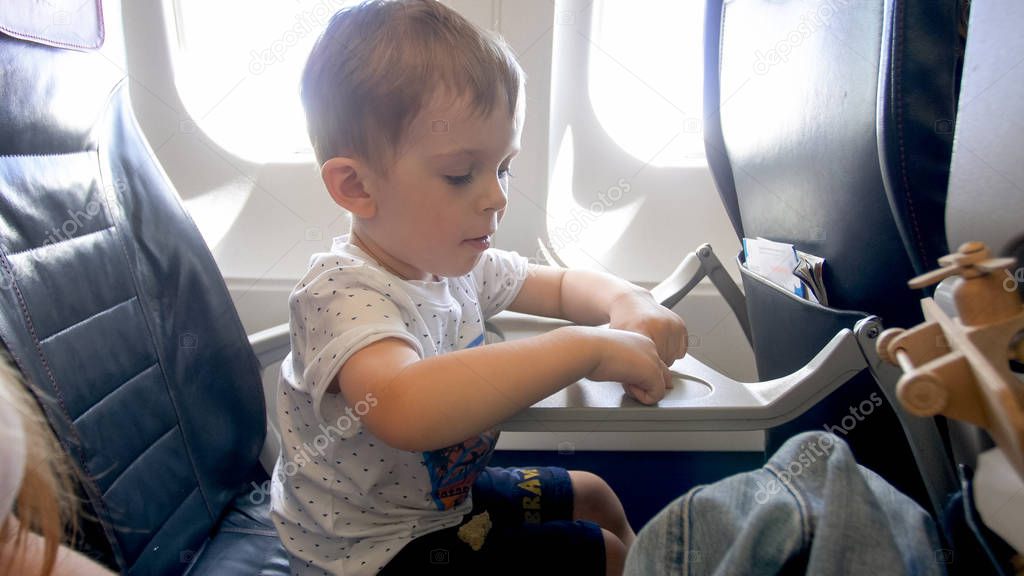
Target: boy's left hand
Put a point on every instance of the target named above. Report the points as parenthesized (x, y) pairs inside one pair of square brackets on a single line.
[(638, 312)]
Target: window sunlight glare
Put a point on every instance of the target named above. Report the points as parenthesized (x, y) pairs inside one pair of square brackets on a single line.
[(646, 77), (238, 69)]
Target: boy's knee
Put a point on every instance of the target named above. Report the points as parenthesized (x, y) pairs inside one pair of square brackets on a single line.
[(614, 553), (591, 492)]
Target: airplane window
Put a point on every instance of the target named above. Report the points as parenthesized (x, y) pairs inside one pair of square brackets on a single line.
[(240, 60), (618, 164), (646, 76)]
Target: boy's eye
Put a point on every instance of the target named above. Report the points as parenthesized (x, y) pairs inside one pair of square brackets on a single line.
[(460, 180), (505, 173)]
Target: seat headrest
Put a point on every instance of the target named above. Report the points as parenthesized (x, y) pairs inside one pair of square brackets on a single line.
[(73, 24), (985, 200), (59, 70)]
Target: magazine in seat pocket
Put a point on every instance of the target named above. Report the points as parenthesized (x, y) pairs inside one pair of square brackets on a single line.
[(787, 330)]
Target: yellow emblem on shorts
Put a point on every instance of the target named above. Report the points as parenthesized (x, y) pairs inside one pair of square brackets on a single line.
[(475, 531)]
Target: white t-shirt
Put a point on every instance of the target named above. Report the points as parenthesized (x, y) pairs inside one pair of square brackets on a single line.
[(343, 501), (12, 457)]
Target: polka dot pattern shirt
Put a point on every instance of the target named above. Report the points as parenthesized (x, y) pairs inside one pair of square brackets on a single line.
[(342, 500)]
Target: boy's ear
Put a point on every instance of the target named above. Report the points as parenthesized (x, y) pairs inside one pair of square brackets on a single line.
[(347, 182)]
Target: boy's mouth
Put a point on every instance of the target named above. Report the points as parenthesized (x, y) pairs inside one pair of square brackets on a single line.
[(480, 242)]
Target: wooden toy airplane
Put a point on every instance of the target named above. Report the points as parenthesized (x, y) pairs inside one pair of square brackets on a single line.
[(959, 367)]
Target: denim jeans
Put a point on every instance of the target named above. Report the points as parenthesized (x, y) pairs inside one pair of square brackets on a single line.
[(811, 509)]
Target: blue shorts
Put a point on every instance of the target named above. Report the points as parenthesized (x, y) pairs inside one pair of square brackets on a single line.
[(532, 531)]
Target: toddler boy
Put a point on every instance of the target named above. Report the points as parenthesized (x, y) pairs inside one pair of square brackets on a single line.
[(388, 401)]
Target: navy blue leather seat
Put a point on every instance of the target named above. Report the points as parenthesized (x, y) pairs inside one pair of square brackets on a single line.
[(116, 313), (828, 125)]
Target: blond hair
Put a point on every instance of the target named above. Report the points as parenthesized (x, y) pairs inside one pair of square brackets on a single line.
[(375, 66), (45, 503)]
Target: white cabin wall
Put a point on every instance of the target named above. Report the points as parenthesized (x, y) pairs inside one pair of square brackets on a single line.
[(262, 221)]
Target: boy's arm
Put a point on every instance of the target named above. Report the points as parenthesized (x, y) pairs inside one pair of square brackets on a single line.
[(591, 298), (428, 404)]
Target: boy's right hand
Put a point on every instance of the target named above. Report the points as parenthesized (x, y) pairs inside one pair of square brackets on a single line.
[(633, 360)]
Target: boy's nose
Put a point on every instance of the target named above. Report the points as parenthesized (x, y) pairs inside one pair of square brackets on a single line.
[(496, 197)]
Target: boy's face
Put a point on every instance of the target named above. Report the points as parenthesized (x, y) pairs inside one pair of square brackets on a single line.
[(440, 203)]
